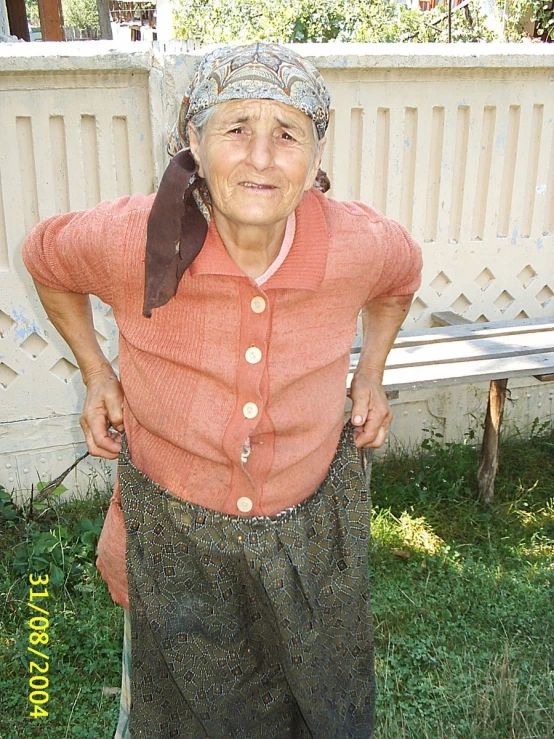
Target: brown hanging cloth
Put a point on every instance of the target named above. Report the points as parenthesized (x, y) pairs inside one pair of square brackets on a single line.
[(175, 234)]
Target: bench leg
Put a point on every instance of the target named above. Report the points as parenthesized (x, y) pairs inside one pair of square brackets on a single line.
[(488, 461)]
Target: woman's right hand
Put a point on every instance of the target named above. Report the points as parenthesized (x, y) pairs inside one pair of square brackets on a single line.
[(102, 415)]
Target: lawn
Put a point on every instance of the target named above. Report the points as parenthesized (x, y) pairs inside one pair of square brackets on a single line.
[(462, 599)]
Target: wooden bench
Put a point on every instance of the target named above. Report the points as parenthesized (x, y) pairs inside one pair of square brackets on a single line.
[(467, 353)]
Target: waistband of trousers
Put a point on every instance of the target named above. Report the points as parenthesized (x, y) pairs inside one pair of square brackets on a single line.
[(201, 516)]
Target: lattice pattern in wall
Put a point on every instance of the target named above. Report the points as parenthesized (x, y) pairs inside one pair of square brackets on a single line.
[(468, 167), (66, 142), (36, 366), (463, 157)]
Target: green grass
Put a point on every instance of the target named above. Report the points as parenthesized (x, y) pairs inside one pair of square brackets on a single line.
[(84, 628), (462, 598), (463, 594)]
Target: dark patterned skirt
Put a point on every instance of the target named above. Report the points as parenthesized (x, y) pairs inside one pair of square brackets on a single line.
[(251, 627)]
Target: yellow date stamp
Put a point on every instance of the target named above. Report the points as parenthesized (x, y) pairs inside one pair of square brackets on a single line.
[(38, 639)]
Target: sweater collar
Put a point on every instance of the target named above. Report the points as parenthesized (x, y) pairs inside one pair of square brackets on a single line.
[(304, 266)]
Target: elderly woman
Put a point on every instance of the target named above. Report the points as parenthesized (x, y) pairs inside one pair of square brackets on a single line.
[(237, 536)]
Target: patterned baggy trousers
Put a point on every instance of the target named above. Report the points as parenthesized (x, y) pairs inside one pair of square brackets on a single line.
[(251, 627)]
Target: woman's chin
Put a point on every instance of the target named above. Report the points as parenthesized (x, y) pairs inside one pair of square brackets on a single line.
[(262, 222), (259, 216)]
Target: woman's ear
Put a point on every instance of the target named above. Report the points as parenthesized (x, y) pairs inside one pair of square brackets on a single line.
[(195, 147), (320, 149), (315, 168)]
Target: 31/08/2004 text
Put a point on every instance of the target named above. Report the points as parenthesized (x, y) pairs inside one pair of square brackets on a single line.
[(38, 638)]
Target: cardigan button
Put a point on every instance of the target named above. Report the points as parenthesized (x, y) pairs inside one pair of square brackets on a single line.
[(245, 505), (253, 355), (257, 304), (250, 410)]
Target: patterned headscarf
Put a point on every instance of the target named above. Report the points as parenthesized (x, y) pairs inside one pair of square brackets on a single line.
[(178, 222), (261, 71)]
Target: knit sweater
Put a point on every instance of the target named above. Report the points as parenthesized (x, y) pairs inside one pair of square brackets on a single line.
[(230, 368)]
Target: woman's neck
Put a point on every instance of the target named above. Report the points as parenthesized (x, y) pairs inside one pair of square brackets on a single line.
[(253, 248)]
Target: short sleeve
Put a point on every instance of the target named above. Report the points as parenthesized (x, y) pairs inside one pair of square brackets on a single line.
[(401, 273), (81, 252)]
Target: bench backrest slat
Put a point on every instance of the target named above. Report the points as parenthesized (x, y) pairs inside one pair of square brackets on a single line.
[(473, 331), (463, 351), (481, 370), (468, 353)]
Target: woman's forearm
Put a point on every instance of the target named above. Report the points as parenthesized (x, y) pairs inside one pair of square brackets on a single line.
[(381, 320), (71, 315)]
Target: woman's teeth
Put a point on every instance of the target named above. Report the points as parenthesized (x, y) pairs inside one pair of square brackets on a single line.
[(257, 187)]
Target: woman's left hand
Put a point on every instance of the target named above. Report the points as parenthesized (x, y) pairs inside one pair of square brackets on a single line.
[(371, 414)]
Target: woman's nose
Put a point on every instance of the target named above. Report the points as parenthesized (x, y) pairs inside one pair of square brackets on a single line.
[(260, 152)]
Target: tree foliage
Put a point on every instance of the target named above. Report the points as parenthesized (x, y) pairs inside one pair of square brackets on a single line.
[(521, 13), (80, 13), (293, 21), (31, 7)]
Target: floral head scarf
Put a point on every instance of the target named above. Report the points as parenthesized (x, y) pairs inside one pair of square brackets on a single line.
[(178, 222), (256, 71)]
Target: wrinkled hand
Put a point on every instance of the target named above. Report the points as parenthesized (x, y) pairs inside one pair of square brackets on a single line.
[(371, 415), (102, 415)]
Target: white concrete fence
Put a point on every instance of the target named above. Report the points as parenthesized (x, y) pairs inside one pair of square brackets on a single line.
[(455, 142)]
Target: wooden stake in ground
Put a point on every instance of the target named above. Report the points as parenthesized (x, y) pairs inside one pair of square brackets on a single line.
[(51, 20), (488, 462)]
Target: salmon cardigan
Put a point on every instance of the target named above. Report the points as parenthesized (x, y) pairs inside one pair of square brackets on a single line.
[(234, 392)]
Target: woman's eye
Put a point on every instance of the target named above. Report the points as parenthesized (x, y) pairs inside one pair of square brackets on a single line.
[(287, 136), (238, 129)]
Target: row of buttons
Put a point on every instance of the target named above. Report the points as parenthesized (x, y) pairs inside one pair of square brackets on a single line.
[(253, 355)]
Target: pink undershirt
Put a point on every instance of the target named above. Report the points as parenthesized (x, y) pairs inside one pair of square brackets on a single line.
[(285, 248)]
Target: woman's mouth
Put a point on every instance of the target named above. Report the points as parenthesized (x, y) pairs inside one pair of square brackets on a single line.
[(257, 186)]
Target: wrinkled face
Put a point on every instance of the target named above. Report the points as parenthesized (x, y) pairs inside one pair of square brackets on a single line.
[(258, 157)]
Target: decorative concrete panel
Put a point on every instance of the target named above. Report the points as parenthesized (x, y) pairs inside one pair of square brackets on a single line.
[(465, 162), (456, 143), (67, 141)]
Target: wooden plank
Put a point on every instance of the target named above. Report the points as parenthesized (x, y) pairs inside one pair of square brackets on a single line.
[(474, 330), (453, 373), (469, 350), (465, 351), (544, 378), (449, 318), (459, 333)]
